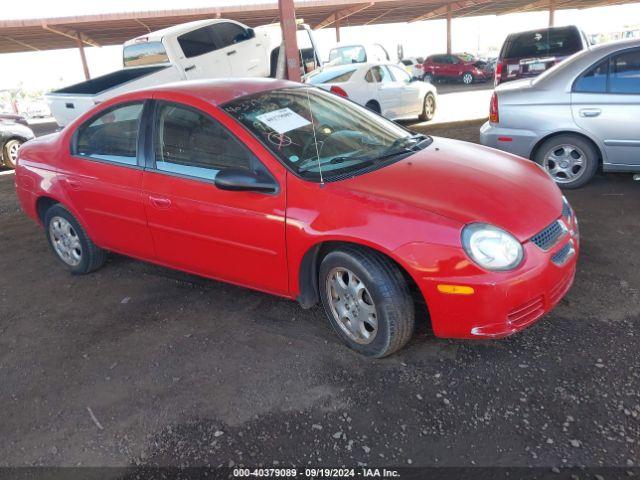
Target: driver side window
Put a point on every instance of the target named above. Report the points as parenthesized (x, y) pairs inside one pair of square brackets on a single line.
[(191, 143)]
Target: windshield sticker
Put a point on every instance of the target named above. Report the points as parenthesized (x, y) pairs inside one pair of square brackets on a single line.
[(283, 120)]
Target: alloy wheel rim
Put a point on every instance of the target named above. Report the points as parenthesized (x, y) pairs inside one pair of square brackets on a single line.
[(565, 163), (13, 152), (467, 78), (66, 241), (352, 306), (429, 106)]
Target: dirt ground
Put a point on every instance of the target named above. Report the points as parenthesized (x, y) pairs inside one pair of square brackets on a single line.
[(179, 370)]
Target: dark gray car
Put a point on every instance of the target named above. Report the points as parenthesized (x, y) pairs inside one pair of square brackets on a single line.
[(577, 116), (12, 136)]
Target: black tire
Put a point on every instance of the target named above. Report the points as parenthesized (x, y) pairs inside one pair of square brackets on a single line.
[(389, 294), (584, 147), (467, 78), (9, 150), (373, 106), (428, 113), (92, 257)]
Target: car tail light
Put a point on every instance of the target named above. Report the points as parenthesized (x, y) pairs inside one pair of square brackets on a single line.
[(499, 69), (494, 117), (338, 91)]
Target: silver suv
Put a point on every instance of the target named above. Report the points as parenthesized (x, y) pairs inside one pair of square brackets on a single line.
[(579, 115)]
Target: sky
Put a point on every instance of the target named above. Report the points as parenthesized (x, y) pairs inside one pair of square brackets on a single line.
[(43, 71)]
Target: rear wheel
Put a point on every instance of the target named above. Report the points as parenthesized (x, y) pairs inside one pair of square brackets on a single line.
[(570, 160), (70, 242), (373, 106), (467, 78), (428, 108), (10, 152), (367, 300)]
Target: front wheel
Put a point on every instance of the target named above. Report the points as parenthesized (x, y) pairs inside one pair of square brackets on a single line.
[(10, 152), (367, 300), (467, 78), (571, 161), (428, 108), (70, 242)]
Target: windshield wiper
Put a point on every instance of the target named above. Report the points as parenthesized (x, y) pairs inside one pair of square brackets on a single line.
[(335, 160)]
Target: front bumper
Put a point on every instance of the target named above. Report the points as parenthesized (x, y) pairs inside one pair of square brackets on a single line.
[(517, 141), (504, 303)]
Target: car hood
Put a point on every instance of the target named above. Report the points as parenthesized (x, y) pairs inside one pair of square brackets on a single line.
[(468, 183)]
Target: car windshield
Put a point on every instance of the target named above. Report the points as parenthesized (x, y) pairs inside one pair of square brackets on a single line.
[(334, 75), (321, 136), (346, 55)]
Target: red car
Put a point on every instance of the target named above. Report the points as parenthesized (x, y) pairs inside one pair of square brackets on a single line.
[(297, 192), (463, 68)]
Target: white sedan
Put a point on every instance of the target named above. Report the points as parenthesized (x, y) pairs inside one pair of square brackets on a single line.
[(382, 87)]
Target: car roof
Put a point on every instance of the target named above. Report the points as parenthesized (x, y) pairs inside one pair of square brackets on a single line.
[(220, 91), (157, 35)]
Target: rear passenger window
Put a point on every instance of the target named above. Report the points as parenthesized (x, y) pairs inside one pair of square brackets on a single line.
[(624, 73), (112, 136), (191, 143), (594, 80), (198, 42)]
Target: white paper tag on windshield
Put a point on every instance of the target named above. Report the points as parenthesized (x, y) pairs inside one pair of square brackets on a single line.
[(283, 120)]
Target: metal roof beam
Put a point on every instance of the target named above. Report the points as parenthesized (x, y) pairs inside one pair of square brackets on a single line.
[(454, 7), (22, 44), (72, 35), (342, 14)]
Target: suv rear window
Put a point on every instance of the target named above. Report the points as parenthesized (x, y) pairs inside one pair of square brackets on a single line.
[(144, 53), (544, 42)]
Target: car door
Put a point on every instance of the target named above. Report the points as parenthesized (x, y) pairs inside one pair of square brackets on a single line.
[(389, 92), (246, 56), (605, 102), (203, 56), (410, 91), (235, 236), (102, 175)]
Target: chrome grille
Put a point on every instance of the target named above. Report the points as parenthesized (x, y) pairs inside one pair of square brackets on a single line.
[(548, 237), (566, 210), (562, 255)]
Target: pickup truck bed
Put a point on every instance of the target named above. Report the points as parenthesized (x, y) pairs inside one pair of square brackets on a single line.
[(70, 102)]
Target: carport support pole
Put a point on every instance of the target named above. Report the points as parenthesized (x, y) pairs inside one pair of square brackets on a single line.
[(552, 12), (449, 29), (85, 66), (337, 27), (289, 29)]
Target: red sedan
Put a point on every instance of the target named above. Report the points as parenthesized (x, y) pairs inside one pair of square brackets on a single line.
[(297, 192)]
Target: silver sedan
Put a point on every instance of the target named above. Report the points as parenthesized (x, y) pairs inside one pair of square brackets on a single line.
[(580, 115)]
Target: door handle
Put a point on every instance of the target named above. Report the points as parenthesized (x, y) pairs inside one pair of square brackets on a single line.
[(232, 52), (160, 202), (590, 112), (190, 67), (74, 184)]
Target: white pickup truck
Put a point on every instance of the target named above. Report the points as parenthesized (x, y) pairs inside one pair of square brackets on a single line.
[(195, 50)]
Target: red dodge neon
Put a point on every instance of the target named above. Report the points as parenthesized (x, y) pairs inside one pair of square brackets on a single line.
[(300, 193)]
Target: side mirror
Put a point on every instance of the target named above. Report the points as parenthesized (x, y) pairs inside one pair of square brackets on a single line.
[(239, 180), (251, 33)]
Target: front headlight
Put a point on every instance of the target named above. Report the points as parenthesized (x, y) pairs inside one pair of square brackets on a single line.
[(491, 247)]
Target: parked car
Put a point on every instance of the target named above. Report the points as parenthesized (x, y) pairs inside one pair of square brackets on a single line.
[(576, 117), (291, 190), (384, 88), (12, 136), (413, 66), (196, 50), (357, 53), (13, 118), (461, 67), (38, 109), (528, 54)]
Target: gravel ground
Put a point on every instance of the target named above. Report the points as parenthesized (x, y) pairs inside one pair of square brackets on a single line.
[(138, 364)]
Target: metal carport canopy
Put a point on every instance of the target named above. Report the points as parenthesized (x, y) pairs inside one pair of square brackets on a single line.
[(115, 28)]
